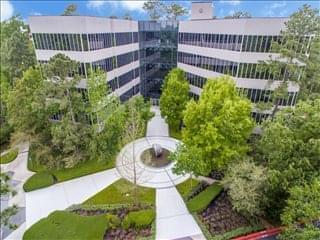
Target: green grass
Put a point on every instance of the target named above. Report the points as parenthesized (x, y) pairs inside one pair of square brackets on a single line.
[(82, 169), (203, 199), (9, 156), (139, 219), (38, 180), (121, 192), (68, 226), (185, 188), (177, 134)]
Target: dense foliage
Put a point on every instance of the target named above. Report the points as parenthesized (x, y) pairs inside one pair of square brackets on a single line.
[(245, 182), (216, 127), (290, 149), (174, 97)]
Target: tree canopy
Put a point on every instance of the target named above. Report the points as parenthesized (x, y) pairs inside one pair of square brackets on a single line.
[(174, 97), (219, 124), (157, 9)]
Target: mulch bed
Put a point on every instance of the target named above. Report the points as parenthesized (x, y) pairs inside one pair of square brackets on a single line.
[(130, 234), (118, 233), (219, 217)]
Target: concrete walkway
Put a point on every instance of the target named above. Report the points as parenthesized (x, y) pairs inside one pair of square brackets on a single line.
[(19, 173), (62, 195), (173, 220)]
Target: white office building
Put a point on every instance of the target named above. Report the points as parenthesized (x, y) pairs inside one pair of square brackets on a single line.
[(110, 44), (205, 48)]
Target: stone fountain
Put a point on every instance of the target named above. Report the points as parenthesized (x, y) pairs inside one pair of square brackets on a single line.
[(157, 150)]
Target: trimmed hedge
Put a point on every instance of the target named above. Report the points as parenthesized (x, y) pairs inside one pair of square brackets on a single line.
[(238, 232), (9, 156), (39, 180), (139, 219), (203, 199)]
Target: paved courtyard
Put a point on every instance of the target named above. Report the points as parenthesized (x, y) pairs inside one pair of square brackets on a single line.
[(173, 221)]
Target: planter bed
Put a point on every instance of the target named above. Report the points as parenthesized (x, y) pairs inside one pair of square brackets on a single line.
[(219, 218)]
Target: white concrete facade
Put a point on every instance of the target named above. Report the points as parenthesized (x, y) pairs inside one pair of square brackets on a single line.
[(242, 28), (89, 25)]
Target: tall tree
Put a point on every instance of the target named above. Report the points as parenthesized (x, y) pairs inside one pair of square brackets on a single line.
[(219, 124), (174, 97), (17, 53), (175, 10), (239, 14), (26, 103), (292, 51), (70, 10), (245, 182), (290, 148), (155, 9), (108, 118), (310, 80), (70, 133), (5, 128), (134, 128)]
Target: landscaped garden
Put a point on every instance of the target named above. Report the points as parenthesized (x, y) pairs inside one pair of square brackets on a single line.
[(113, 213)]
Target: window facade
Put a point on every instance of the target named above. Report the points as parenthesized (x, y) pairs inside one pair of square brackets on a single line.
[(82, 42), (127, 58), (211, 64), (128, 77), (245, 43), (131, 92)]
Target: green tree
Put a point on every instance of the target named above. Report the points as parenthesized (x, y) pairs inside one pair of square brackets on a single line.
[(188, 160), (301, 210), (174, 97), (8, 212), (155, 9), (175, 10), (5, 128), (292, 49), (134, 128), (26, 103), (70, 10), (290, 149), (310, 80), (239, 14), (70, 134), (307, 232), (108, 118), (302, 204), (219, 124), (245, 182), (17, 52)]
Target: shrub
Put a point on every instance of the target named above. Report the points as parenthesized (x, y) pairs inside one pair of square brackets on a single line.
[(203, 199), (139, 219), (114, 221), (5, 131), (39, 180), (9, 156)]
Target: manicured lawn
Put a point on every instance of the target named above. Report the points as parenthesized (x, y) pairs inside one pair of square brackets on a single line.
[(38, 180), (66, 225), (185, 188), (82, 169), (122, 192), (203, 199), (9, 156)]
